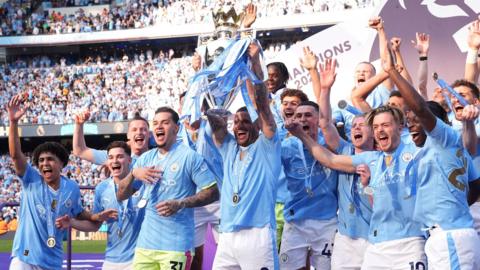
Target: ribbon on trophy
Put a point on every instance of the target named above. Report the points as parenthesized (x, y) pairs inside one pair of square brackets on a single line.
[(220, 82)]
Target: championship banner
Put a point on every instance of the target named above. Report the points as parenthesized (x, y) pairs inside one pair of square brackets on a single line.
[(352, 41)]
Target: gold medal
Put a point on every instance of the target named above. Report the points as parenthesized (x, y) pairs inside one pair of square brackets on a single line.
[(309, 192), (235, 198), (351, 208), (54, 204), (51, 242)]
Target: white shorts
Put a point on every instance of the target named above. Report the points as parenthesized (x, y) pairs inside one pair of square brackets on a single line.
[(401, 254), (300, 236), (253, 248), (117, 266), (16, 264), (475, 211), (208, 214), (348, 253), (453, 249)]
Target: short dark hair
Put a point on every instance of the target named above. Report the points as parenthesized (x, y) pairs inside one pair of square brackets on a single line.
[(395, 93), (242, 109), (283, 70), (119, 144), (166, 109), (394, 111), (438, 111), (310, 103), (294, 93), (54, 148), (137, 117), (468, 84)]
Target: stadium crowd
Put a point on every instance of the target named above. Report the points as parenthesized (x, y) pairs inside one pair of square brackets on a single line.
[(17, 18), (111, 90)]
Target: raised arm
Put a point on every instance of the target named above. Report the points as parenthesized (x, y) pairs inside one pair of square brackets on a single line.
[(395, 43), (377, 24), (218, 123), (473, 40), (469, 135), (16, 110), (80, 148), (310, 62), (360, 93), (422, 45), (413, 99), (267, 121), (250, 16), (320, 153), (327, 78)]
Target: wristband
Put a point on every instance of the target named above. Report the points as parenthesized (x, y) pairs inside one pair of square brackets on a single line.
[(423, 58), (472, 56)]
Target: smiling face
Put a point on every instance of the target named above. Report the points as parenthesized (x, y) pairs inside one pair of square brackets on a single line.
[(244, 130), (118, 163), (416, 129), (361, 134), (50, 168), (363, 72), (165, 130), (467, 94), (289, 105), (137, 136), (386, 131), (275, 79), (307, 116)]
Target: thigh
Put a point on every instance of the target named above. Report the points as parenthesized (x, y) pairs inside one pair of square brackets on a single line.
[(224, 258), (322, 234), (17, 264), (262, 255), (355, 248), (294, 248), (145, 259)]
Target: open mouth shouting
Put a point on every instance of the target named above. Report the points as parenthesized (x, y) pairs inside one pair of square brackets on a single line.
[(242, 135), (160, 134), (288, 113), (47, 172), (116, 168), (139, 140), (357, 136), (383, 140)]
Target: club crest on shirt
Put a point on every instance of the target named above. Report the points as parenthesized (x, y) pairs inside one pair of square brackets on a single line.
[(174, 167), (407, 156), (68, 203), (41, 210), (284, 257)]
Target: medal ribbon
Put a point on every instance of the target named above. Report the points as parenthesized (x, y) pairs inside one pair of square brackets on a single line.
[(52, 214)]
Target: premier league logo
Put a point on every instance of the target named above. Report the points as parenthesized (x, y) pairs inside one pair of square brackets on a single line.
[(446, 21)]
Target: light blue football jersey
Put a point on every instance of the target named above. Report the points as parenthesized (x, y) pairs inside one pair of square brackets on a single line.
[(354, 209), (30, 242), (443, 170), (303, 177), (184, 171), (122, 233), (254, 179), (392, 205), (378, 97)]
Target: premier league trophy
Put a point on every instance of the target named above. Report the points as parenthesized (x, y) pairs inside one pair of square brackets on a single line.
[(226, 67)]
